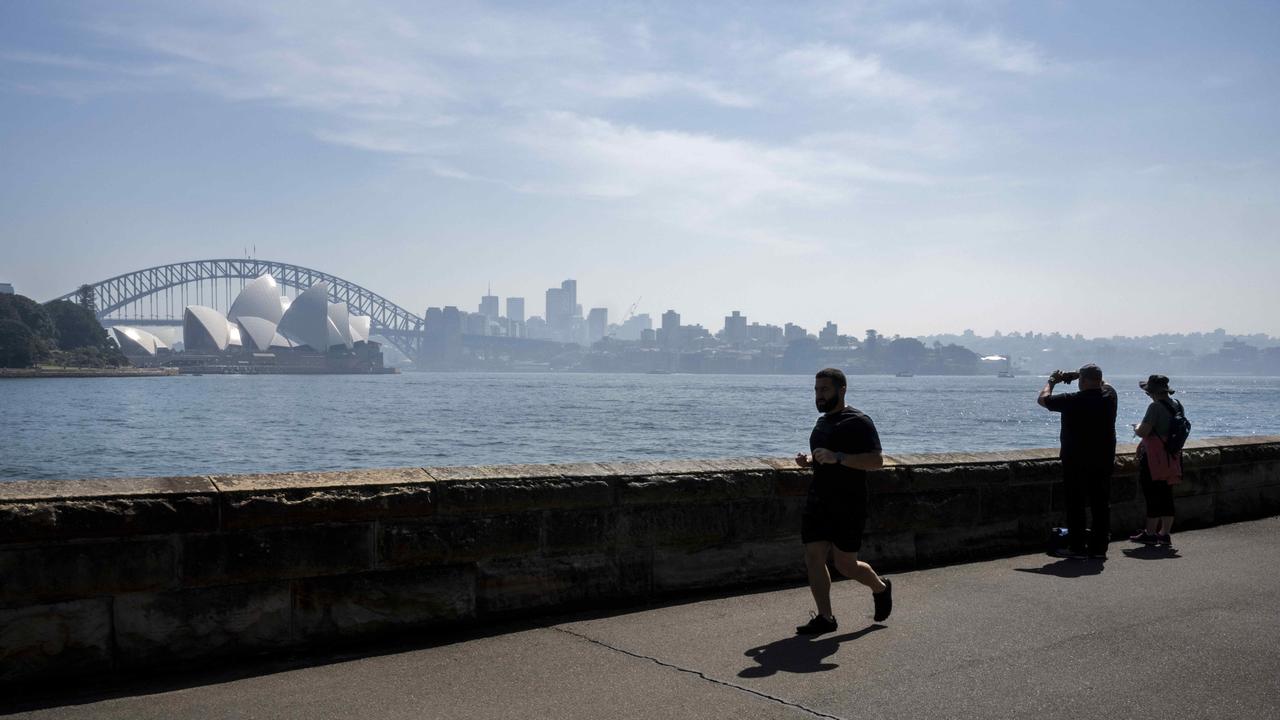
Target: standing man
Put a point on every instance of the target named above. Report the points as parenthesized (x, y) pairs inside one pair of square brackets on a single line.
[(1088, 455), (845, 445)]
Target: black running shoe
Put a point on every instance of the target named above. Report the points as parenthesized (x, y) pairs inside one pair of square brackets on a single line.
[(884, 601), (818, 625)]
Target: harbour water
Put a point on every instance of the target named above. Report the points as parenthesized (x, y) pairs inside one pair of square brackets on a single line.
[(81, 428)]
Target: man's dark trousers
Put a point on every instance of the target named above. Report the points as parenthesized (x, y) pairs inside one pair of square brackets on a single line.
[(1088, 483)]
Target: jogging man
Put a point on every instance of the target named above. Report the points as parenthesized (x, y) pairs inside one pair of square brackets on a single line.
[(1088, 456), (845, 445)]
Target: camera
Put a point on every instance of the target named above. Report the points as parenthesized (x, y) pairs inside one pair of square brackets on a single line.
[(1064, 376)]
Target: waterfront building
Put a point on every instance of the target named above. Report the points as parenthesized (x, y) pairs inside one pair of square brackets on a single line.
[(489, 306), (792, 332), (735, 328), (829, 336), (597, 323), (6, 289), (515, 309)]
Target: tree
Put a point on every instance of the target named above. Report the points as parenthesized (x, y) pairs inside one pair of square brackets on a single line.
[(17, 345), (76, 326), (906, 354)]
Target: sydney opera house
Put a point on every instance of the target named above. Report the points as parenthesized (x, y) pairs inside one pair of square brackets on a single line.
[(264, 331)]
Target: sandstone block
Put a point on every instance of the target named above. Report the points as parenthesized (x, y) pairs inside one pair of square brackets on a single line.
[(678, 526), (923, 510), (41, 642), (1010, 502), (200, 624), (578, 531), (372, 604), (517, 495), (250, 501), (271, 554), (792, 483), (66, 519), (926, 478), (1261, 474), (712, 487), (1044, 472), (1194, 511), (449, 540), (755, 520), (513, 586), (1235, 505), (889, 551), (1250, 453), (65, 571), (890, 479)]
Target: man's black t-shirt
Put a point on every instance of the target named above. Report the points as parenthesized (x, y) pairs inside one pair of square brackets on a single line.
[(1088, 424), (851, 432)]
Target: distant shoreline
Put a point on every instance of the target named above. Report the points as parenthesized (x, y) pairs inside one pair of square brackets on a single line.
[(45, 372)]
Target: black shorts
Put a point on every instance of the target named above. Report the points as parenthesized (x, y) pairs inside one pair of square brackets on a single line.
[(838, 523)]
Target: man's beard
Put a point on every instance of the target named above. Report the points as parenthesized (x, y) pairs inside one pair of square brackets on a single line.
[(826, 406)]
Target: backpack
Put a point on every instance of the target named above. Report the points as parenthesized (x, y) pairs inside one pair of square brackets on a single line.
[(1179, 429)]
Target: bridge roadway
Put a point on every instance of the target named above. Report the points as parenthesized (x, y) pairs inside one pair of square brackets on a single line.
[(1144, 635)]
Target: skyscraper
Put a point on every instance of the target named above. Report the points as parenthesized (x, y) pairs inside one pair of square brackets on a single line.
[(489, 306), (597, 324), (735, 328), (515, 309)]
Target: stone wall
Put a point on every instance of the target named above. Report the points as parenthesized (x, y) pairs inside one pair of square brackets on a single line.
[(126, 574)]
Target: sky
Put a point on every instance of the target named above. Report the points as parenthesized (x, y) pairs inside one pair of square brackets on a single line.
[(1096, 167)]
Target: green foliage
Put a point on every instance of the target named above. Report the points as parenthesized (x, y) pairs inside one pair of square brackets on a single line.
[(17, 344), (77, 326), (29, 313)]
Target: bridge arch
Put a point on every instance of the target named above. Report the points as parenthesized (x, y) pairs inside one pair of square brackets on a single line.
[(401, 328)]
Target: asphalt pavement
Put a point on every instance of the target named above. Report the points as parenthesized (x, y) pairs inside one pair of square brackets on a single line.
[(1193, 633)]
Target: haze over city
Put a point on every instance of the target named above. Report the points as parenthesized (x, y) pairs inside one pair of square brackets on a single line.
[(1098, 169)]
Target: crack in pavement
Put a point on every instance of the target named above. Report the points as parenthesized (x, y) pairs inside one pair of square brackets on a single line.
[(697, 673)]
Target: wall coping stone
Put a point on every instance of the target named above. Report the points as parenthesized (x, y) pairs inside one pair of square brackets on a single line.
[(28, 491)]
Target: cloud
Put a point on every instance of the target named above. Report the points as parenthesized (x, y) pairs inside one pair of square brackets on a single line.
[(827, 69), (987, 49), (649, 85)]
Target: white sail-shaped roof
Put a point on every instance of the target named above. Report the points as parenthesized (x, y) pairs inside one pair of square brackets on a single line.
[(259, 332), (233, 335), (204, 329), (306, 322), (136, 341), (260, 298), (360, 325), (280, 341), (341, 319)]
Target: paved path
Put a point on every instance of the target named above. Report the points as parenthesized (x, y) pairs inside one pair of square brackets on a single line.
[(1144, 635)]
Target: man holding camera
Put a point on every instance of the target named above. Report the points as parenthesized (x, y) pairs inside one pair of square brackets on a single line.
[(1088, 455)]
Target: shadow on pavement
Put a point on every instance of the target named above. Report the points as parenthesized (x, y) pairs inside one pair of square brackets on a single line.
[(799, 654), (1068, 568), (1152, 552)]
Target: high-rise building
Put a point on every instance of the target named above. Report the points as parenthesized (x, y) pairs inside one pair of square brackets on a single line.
[(829, 335), (791, 331), (632, 328), (735, 328), (597, 323), (515, 309), (570, 288), (6, 289), (489, 306), (670, 333)]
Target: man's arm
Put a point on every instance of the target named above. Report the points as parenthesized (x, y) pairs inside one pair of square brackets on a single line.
[(858, 461), (1046, 392)]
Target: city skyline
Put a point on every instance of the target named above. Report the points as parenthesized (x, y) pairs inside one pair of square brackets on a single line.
[(928, 168)]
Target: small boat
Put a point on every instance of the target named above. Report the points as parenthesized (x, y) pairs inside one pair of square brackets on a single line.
[(904, 373), (1005, 374)]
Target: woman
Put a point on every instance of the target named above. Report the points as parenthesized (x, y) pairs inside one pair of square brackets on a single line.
[(1158, 469)]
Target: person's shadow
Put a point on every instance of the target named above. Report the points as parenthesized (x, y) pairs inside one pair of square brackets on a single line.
[(799, 654), (1152, 552), (1069, 567)]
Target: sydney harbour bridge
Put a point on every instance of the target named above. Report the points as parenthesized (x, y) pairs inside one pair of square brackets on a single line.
[(157, 296)]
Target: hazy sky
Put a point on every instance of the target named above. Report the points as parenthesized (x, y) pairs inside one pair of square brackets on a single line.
[(1104, 168)]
